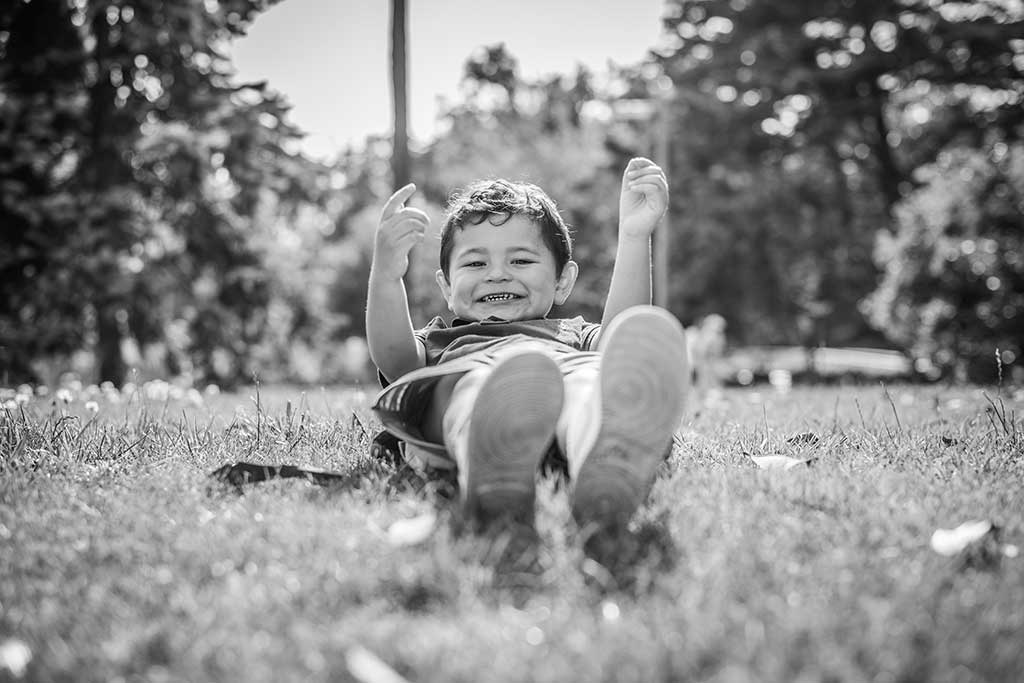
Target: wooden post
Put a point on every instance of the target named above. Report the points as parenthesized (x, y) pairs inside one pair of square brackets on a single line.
[(400, 171)]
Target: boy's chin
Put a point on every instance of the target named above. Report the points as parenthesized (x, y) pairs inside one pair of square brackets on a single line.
[(510, 314)]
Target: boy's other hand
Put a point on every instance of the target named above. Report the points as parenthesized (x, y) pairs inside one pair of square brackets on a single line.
[(400, 229), (644, 198)]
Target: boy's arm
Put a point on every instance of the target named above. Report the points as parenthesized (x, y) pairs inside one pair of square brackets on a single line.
[(642, 203), (389, 333)]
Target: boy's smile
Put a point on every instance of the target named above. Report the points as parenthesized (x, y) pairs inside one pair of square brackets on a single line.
[(505, 271)]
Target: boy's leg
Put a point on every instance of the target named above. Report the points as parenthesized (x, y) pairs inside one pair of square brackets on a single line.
[(581, 413), (498, 423), (642, 390)]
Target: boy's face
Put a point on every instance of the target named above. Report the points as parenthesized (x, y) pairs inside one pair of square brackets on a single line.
[(504, 271)]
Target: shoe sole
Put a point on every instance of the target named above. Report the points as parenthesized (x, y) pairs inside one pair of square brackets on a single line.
[(643, 393), (512, 426)]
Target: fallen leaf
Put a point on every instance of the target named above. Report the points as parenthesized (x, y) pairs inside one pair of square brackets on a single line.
[(412, 531), (950, 542), (778, 462)]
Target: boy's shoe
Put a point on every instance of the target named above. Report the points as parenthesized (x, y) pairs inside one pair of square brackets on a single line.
[(511, 426), (643, 386)]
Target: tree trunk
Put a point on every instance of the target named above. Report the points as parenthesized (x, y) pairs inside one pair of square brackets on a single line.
[(889, 174), (400, 167), (102, 168), (109, 362)]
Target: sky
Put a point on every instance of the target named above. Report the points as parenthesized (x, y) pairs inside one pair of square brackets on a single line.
[(330, 58)]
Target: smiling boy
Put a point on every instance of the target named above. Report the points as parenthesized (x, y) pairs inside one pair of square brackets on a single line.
[(489, 394)]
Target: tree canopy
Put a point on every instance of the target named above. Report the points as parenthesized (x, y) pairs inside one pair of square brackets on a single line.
[(802, 133), (134, 170)]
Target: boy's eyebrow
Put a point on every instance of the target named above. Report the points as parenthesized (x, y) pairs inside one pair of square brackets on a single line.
[(481, 250)]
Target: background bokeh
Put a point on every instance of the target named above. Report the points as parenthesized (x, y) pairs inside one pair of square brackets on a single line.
[(843, 174)]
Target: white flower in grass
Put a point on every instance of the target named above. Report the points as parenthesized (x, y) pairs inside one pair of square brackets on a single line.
[(610, 611), (950, 542), (412, 531), (365, 666), (25, 389), (779, 462), (64, 395), (978, 540), (42, 390), (194, 397), (92, 406), (22, 399), (10, 404), (14, 657), (156, 390), (212, 390)]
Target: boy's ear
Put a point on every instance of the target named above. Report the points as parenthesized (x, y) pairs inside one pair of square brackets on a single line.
[(446, 289), (565, 282)]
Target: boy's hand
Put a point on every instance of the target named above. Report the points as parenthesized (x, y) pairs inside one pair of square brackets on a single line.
[(400, 229), (644, 198)]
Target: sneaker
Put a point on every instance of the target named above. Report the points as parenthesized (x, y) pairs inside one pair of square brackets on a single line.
[(511, 426), (643, 390)]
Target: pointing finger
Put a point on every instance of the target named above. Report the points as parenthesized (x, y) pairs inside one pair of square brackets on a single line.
[(397, 199)]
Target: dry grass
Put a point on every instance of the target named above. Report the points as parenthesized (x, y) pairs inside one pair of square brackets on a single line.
[(118, 561)]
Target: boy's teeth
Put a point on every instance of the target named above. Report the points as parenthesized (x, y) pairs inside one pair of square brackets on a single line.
[(499, 297)]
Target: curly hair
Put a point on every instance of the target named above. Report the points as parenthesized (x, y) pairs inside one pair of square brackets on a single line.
[(498, 201)]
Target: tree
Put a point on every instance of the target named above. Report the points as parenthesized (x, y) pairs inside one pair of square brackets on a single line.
[(131, 211), (953, 289), (794, 146), (41, 105)]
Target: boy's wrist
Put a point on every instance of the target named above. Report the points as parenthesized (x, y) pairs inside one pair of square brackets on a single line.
[(634, 239), (382, 275)]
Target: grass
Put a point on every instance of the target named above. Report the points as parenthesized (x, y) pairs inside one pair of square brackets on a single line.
[(120, 561)]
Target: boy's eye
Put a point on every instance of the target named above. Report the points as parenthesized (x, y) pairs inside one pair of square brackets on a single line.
[(473, 264), (522, 261)]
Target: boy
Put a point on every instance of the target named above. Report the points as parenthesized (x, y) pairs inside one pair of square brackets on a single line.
[(489, 394)]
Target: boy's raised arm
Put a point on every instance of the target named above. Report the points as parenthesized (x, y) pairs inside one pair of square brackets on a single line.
[(642, 203), (389, 333)]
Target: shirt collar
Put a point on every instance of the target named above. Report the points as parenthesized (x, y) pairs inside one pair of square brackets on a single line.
[(490, 320)]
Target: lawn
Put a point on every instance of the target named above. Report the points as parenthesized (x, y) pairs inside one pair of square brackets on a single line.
[(121, 560)]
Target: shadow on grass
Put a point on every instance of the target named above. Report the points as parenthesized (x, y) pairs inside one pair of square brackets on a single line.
[(614, 560), (628, 560)]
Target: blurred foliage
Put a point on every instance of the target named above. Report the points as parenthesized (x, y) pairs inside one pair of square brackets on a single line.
[(842, 173), (134, 173), (798, 132), (953, 289)]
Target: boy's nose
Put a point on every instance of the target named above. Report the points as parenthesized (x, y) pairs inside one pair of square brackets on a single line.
[(497, 271)]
